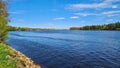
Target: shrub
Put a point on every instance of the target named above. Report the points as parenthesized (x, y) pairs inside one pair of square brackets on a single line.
[(3, 29)]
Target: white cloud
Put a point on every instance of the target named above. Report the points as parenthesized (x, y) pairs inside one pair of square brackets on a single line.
[(114, 6), (17, 20), (60, 18), (16, 12), (104, 4), (110, 20), (108, 13), (74, 17), (20, 20), (111, 12), (85, 14), (14, 0)]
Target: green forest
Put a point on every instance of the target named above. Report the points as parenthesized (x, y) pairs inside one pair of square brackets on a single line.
[(13, 28), (3, 20), (111, 26)]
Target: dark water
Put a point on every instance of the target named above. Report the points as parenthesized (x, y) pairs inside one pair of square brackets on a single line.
[(69, 49)]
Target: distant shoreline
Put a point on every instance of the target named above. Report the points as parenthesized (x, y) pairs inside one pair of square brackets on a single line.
[(111, 26), (66, 30)]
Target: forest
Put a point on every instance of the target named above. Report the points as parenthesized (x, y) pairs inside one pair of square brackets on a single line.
[(14, 28), (3, 20), (111, 26)]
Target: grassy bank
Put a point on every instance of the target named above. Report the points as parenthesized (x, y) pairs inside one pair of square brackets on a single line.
[(10, 58)]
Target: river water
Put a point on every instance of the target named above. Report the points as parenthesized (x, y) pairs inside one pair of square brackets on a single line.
[(69, 49)]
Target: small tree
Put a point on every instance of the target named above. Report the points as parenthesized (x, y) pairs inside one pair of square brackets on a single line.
[(3, 21)]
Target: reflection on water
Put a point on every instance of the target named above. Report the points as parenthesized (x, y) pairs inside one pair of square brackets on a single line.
[(69, 49)]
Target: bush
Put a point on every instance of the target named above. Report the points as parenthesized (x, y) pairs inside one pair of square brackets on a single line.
[(3, 20), (3, 29)]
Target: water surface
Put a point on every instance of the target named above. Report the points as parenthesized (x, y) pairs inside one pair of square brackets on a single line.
[(69, 49)]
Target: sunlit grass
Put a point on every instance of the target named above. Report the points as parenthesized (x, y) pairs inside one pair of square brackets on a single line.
[(10, 58), (5, 60)]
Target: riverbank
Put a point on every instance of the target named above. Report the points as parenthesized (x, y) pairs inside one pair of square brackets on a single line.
[(10, 58)]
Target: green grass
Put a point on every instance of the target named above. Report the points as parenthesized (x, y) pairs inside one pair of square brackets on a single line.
[(11, 58), (5, 60)]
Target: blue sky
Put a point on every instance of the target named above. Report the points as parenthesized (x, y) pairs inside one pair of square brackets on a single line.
[(63, 13)]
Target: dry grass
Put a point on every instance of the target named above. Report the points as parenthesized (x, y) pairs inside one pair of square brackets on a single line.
[(18, 59)]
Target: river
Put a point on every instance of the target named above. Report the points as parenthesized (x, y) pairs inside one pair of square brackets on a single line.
[(69, 49)]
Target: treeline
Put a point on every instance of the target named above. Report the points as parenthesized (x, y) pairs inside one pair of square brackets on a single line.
[(3, 20), (13, 28), (111, 26)]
